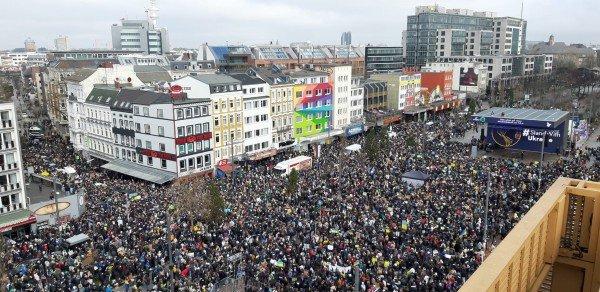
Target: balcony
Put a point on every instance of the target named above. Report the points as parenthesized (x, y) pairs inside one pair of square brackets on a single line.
[(553, 248)]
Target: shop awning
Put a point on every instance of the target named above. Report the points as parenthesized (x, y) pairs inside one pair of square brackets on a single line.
[(16, 218), (129, 168), (262, 154), (77, 239)]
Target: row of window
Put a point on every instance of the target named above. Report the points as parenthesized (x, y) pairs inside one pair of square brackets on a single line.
[(309, 117), (255, 104), (309, 128), (189, 112), (192, 129), (257, 146), (253, 90), (194, 162), (256, 133), (191, 148), (309, 93), (256, 119)]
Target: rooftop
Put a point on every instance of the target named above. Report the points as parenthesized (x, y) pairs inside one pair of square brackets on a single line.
[(523, 114), (306, 73), (216, 79), (247, 79), (80, 75)]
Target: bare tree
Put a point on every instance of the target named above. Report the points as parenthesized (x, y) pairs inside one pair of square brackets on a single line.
[(190, 201)]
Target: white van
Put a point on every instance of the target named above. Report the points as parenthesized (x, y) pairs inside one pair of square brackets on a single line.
[(298, 163)]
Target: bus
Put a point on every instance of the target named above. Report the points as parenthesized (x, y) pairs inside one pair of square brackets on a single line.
[(298, 163)]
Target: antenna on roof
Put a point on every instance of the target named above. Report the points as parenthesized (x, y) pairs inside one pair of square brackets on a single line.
[(522, 4)]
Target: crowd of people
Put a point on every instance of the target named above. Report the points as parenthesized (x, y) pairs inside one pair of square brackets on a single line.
[(352, 216)]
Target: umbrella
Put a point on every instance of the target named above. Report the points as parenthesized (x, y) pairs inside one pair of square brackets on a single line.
[(45, 173)]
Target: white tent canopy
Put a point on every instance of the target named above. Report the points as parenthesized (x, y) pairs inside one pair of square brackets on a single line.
[(353, 148), (69, 170), (77, 239)]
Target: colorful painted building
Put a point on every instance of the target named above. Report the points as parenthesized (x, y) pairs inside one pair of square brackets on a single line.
[(312, 101), (436, 86)]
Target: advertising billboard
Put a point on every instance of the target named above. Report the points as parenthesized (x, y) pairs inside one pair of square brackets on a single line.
[(468, 77), (526, 138)]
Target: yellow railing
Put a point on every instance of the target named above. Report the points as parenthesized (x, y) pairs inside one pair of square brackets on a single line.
[(559, 234)]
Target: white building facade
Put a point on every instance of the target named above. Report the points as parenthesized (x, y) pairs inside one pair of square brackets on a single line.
[(12, 187)]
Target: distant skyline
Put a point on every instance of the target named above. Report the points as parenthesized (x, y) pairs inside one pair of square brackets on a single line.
[(193, 22)]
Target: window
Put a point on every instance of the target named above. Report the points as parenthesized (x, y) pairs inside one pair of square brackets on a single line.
[(136, 110), (163, 163), (205, 128), (146, 111), (159, 113), (189, 130), (199, 161), (198, 128), (207, 160), (180, 131), (138, 143), (188, 113), (216, 121), (196, 111), (199, 146), (161, 131), (137, 127), (190, 147), (149, 145), (182, 165), (260, 89), (162, 147), (181, 149), (217, 138), (204, 111), (191, 164), (179, 114), (146, 128), (149, 160)]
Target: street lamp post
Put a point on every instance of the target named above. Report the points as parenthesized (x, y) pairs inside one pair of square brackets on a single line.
[(487, 203)]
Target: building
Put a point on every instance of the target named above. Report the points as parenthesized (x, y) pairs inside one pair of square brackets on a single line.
[(436, 86), (554, 247), (229, 58), (80, 84), (145, 134), (280, 89), (340, 78), (15, 218), (141, 35), (402, 89), (30, 46), (356, 107), (576, 55), (466, 76), (346, 38), (435, 31), (375, 95), (226, 96), (143, 60), (383, 59), (256, 114), (61, 43), (509, 36), (107, 55), (508, 70), (312, 98)]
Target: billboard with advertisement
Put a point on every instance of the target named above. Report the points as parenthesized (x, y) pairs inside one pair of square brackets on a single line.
[(468, 77), (526, 138)]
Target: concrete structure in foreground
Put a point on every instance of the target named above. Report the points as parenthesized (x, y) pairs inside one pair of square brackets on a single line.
[(553, 248)]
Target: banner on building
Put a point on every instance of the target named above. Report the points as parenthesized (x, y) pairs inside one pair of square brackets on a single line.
[(468, 77)]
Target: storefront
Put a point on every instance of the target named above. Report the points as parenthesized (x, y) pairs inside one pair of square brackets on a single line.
[(17, 223)]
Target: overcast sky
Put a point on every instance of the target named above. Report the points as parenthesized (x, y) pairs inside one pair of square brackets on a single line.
[(193, 22)]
